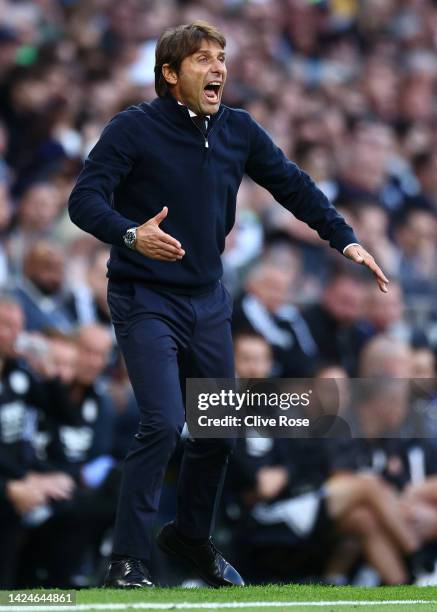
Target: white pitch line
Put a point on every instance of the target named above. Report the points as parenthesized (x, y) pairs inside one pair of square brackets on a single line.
[(216, 605)]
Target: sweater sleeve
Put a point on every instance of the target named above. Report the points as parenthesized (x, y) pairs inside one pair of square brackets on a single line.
[(294, 189), (10, 468), (3, 483), (106, 166)]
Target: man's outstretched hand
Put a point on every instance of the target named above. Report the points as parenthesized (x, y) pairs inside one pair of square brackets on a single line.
[(358, 254), (153, 242)]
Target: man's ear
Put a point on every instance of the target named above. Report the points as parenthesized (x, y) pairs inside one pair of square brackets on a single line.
[(169, 74)]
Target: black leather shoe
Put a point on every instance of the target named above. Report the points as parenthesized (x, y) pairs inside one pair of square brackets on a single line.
[(127, 574), (208, 561)]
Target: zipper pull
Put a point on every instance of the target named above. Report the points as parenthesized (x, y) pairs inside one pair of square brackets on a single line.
[(206, 144)]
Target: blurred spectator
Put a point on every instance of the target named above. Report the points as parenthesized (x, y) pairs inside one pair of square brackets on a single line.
[(416, 236), (385, 357), (244, 242), (424, 165), (90, 434), (407, 464), (380, 409), (365, 174), (265, 309), (253, 355), (41, 292), (386, 316), (64, 353), (423, 362), (372, 225), (80, 445), (87, 303), (334, 324), (37, 211), (27, 485), (288, 505)]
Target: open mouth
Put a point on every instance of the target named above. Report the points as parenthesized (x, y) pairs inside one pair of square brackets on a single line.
[(211, 91)]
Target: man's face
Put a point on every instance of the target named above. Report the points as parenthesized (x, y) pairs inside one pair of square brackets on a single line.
[(253, 358), (94, 347), (199, 84), (344, 299), (384, 313), (45, 268), (11, 324), (65, 356)]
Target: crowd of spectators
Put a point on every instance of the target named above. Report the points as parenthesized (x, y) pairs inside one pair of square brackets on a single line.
[(348, 90)]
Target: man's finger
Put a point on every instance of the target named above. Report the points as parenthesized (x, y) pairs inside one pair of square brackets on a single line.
[(377, 271), (381, 279), (166, 246), (169, 239), (361, 256), (165, 256), (383, 287), (163, 250), (161, 215)]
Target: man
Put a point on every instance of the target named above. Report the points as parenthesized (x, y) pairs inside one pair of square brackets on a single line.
[(88, 433), (253, 355), (40, 291), (264, 307), (385, 356), (162, 162), (87, 303), (293, 508), (79, 442), (28, 486), (335, 324)]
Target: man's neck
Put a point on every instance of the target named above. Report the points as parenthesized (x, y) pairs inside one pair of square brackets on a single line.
[(191, 113)]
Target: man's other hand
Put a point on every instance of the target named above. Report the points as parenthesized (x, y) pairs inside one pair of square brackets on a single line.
[(358, 254), (54, 485), (156, 244), (24, 495), (270, 481)]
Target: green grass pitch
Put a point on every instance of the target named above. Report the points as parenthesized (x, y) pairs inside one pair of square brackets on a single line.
[(269, 598)]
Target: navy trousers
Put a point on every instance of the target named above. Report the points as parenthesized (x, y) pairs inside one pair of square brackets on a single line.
[(166, 338)]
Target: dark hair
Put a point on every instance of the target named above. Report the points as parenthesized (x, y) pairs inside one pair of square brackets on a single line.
[(175, 44), (246, 331)]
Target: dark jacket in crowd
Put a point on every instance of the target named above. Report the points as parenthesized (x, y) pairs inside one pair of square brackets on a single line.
[(307, 461), (336, 342), (153, 155), (21, 397), (399, 461), (295, 352), (85, 434)]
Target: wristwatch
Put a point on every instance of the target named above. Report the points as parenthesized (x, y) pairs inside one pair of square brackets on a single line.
[(130, 238)]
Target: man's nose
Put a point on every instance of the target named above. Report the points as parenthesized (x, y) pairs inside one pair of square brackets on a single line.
[(218, 67)]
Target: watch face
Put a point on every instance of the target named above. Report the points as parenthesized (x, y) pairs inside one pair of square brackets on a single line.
[(129, 238)]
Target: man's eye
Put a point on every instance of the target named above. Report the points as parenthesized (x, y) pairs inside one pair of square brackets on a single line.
[(203, 59)]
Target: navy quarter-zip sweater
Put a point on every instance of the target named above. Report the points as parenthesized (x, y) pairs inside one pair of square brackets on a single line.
[(153, 155)]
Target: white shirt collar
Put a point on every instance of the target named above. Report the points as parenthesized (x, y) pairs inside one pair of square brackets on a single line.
[(191, 112)]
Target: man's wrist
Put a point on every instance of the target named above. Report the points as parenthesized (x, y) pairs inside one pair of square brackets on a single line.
[(349, 245), (130, 238)]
